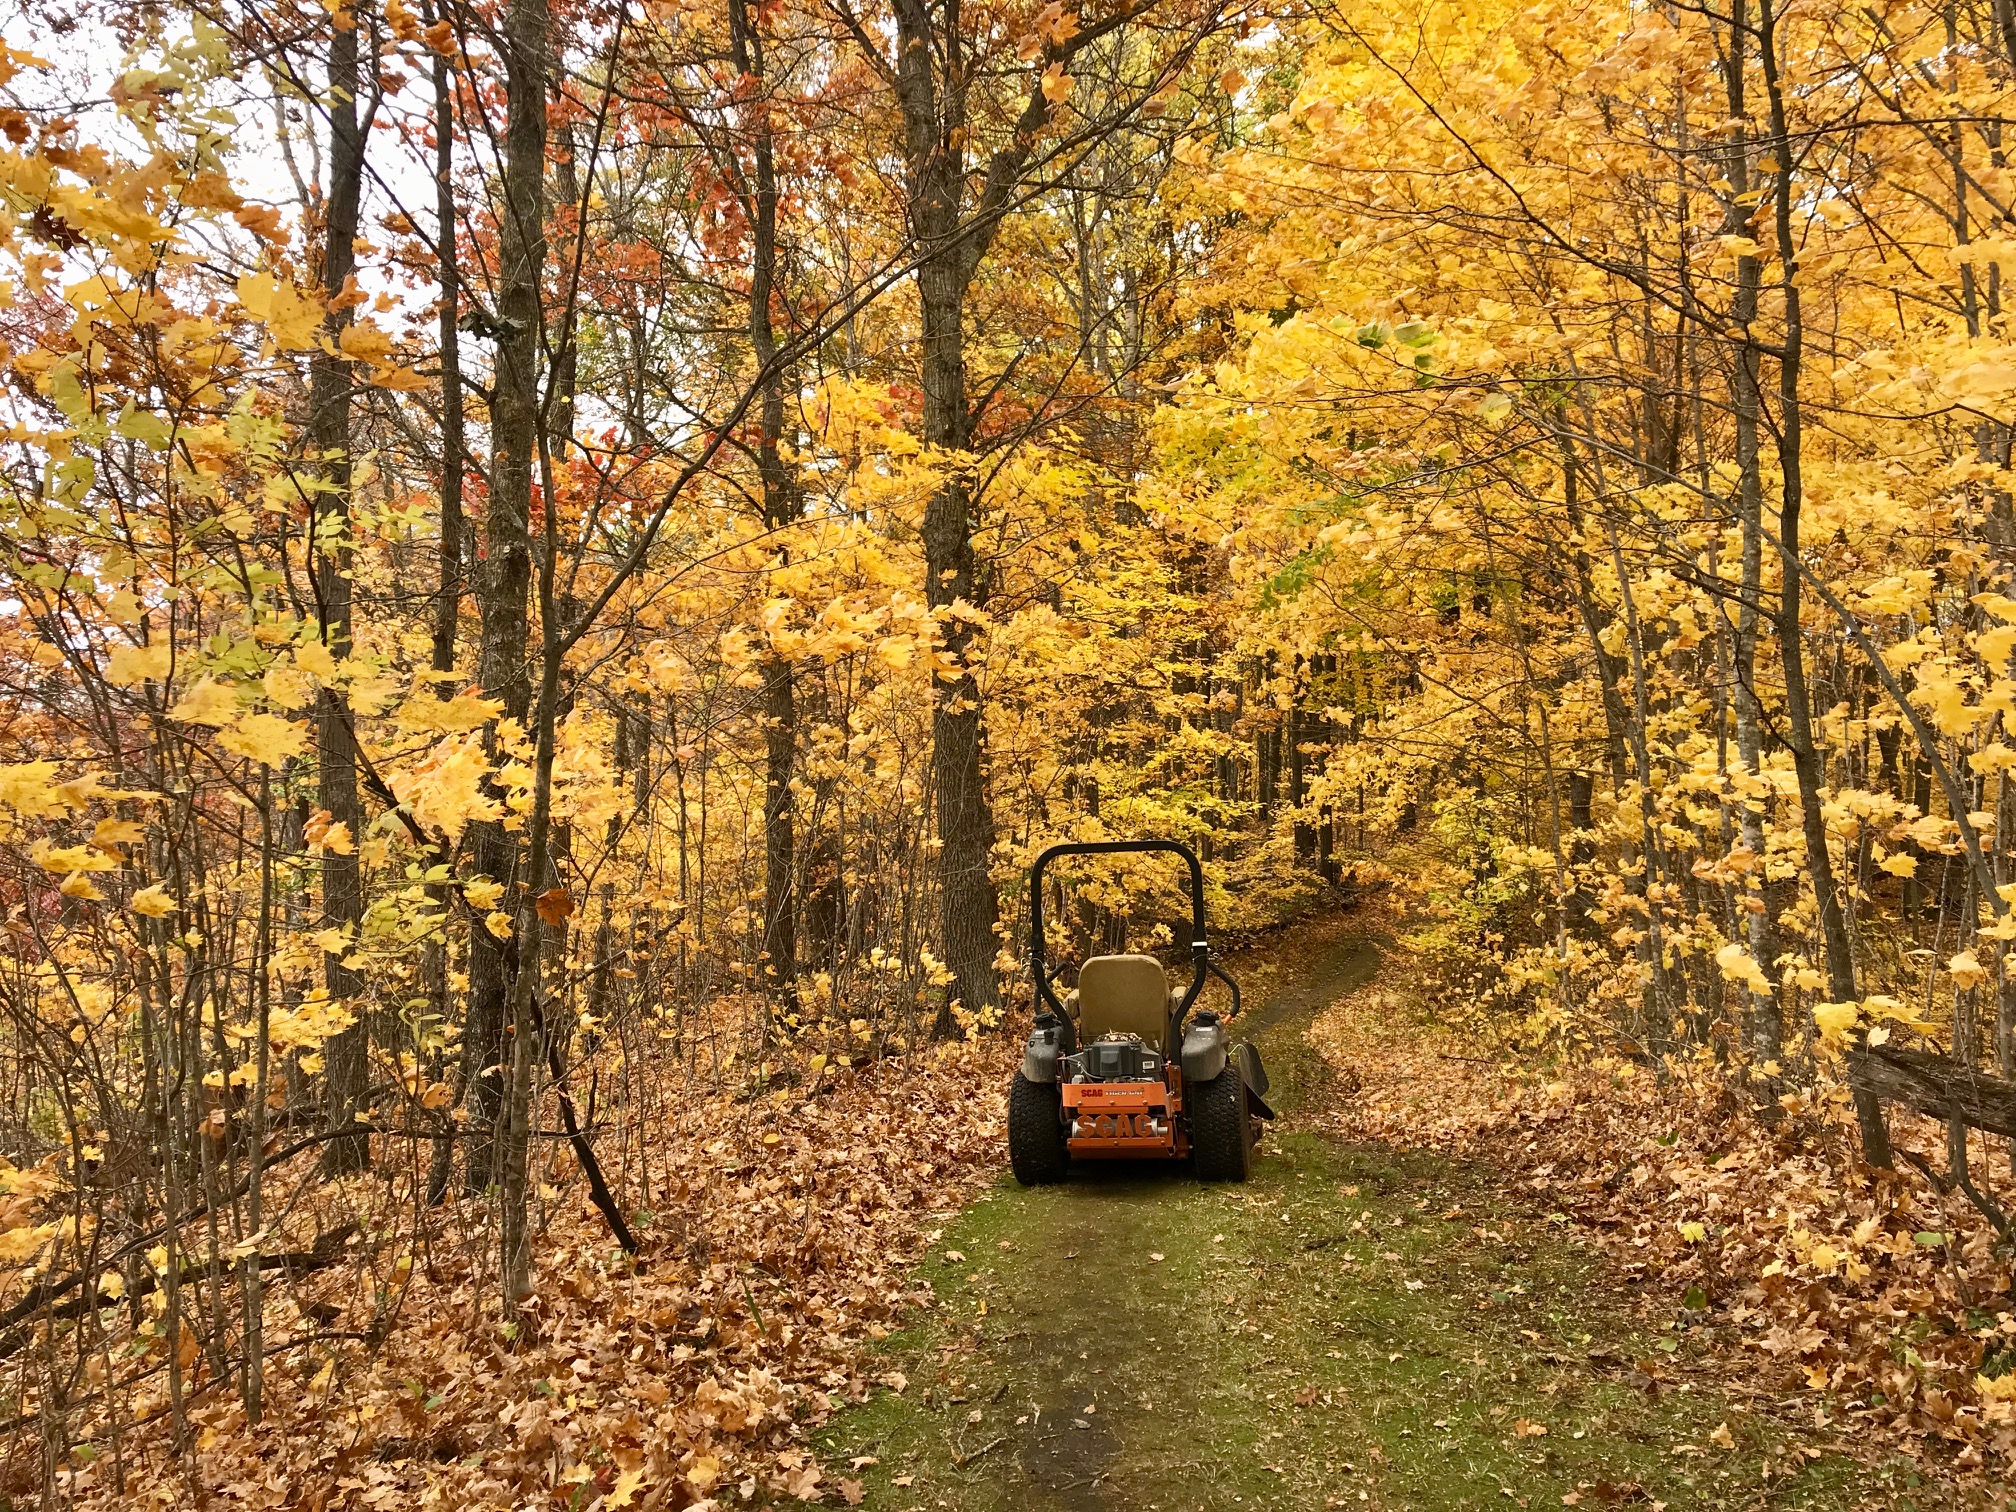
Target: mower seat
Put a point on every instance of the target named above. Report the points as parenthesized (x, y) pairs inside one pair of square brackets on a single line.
[(1124, 994)]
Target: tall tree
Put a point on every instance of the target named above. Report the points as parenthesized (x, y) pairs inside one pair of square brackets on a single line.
[(780, 498), (945, 74), (504, 584), (515, 426), (329, 392), (454, 465)]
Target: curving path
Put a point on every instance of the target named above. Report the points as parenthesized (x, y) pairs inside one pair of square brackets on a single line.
[(1356, 1327)]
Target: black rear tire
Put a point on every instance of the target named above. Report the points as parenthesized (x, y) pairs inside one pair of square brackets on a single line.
[(1036, 1149), (1218, 1141)]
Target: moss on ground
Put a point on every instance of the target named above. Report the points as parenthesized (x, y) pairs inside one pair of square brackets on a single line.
[(1355, 1327)]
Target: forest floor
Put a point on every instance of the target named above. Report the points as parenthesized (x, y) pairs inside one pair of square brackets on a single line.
[(1362, 1325)]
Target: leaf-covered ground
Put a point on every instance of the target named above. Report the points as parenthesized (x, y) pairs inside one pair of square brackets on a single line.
[(1451, 1283), (1362, 1325)]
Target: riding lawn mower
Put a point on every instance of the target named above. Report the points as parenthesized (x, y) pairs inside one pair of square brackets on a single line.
[(1120, 1069)]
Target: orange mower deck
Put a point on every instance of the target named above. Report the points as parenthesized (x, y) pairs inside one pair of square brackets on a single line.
[(1124, 1120)]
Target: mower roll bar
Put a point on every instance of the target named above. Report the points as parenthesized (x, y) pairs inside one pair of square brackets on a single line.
[(1200, 948)]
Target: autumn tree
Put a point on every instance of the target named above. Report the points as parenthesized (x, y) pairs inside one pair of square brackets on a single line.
[(971, 156)]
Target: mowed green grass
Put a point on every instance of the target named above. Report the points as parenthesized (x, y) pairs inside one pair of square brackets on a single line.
[(1355, 1327)]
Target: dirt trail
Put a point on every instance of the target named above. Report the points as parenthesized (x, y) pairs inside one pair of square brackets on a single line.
[(1356, 1327)]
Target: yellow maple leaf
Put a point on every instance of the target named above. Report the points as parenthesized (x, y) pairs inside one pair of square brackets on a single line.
[(266, 738), (71, 858), (287, 686), (210, 702), (314, 657), (400, 19), (77, 885), (151, 902), (445, 791), (369, 690), (400, 380), (128, 666), (465, 711), (110, 834), (29, 788), (482, 892), (498, 923), (1992, 758), (1834, 1020), (336, 841), (292, 317), (1981, 380), (1737, 965), (365, 342), (1933, 833), (332, 941), (1966, 970), (1882, 1005)]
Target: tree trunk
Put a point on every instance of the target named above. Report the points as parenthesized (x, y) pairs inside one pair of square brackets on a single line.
[(934, 129), (506, 579), (336, 749), (1806, 756), (934, 69), (780, 507), (448, 600), (515, 416), (1765, 1016)]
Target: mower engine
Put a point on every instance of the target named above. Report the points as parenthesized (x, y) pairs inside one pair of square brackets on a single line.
[(1117, 1097), (1114, 1059)]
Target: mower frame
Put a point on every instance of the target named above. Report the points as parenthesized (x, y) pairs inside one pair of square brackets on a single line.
[(1200, 945), (1201, 1061)]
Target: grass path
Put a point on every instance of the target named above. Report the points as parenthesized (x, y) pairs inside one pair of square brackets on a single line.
[(1356, 1327)]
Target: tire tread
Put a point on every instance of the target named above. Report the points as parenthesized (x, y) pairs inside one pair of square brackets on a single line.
[(1219, 1146), (1036, 1150)]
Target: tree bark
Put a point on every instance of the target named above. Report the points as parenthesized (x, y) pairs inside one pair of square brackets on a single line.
[(934, 128), (1765, 1018), (448, 600), (1807, 760), (934, 69), (780, 507), (336, 749), (515, 421), (506, 578)]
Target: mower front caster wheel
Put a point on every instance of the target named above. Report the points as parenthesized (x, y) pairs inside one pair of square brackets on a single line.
[(1218, 1136), (1036, 1149)]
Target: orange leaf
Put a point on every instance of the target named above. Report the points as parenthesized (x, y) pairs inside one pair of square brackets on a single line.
[(554, 904)]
